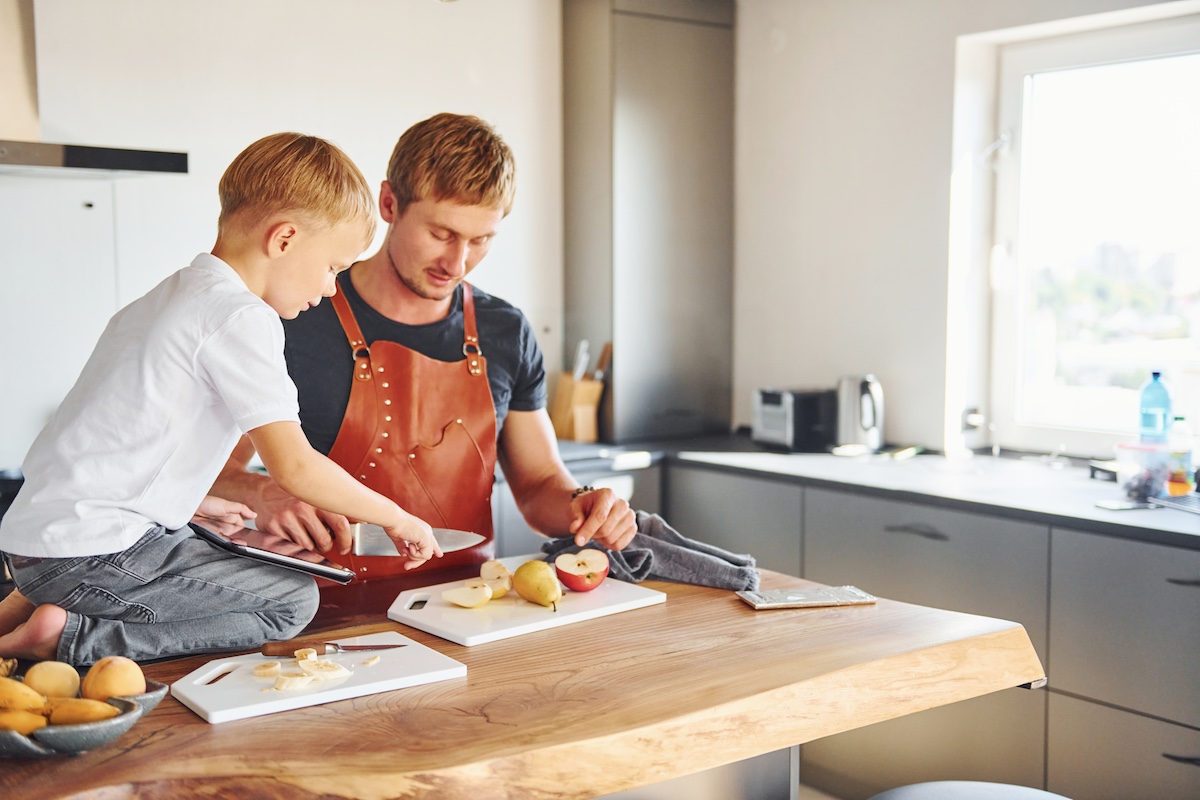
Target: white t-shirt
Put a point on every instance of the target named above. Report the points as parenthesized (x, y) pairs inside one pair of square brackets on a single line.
[(176, 377)]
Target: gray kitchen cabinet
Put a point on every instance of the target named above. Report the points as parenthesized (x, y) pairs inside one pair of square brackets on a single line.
[(1125, 656), (949, 559), (648, 208), (1103, 753), (641, 488), (742, 514), (1125, 624)]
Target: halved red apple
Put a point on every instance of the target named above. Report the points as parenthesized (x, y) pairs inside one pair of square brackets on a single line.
[(582, 571)]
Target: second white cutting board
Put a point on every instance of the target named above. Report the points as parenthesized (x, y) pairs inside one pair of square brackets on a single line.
[(504, 617), (225, 689)]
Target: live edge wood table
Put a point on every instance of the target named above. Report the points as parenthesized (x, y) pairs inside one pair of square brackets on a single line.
[(574, 712)]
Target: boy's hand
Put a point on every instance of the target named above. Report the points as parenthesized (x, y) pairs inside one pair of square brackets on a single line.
[(222, 516), (414, 538)]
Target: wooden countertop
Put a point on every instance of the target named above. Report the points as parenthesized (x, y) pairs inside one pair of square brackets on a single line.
[(574, 712)]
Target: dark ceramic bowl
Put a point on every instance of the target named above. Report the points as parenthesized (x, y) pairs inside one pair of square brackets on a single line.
[(66, 739)]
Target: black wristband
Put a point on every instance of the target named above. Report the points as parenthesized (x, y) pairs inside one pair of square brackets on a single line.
[(582, 490)]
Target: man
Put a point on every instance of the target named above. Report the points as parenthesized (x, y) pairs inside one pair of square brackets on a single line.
[(416, 383)]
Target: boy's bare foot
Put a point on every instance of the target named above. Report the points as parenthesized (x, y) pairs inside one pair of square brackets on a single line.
[(14, 610), (36, 638)]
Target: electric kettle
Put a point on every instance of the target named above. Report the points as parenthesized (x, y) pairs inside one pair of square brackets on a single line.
[(860, 411)]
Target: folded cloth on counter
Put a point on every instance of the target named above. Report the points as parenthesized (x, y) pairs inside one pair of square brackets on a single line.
[(659, 552)]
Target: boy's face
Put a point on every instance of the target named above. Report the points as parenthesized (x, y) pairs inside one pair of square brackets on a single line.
[(307, 270), (434, 244)]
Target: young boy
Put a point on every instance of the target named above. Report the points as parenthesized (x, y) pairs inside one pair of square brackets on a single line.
[(97, 539)]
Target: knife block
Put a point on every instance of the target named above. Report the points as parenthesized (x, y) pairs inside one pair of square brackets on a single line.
[(575, 409)]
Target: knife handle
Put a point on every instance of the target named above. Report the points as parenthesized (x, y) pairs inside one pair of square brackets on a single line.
[(290, 646)]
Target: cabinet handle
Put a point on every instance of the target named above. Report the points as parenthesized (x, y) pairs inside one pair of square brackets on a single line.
[(919, 529), (1184, 581), (1193, 760)]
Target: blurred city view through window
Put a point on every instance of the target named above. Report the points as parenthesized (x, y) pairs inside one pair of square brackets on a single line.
[(1108, 249)]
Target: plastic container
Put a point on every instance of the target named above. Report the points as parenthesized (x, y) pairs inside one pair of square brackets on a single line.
[(1142, 470), (1155, 407), (1181, 444)]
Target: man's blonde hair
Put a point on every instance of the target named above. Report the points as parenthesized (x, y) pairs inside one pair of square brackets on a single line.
[(453, 157), (290, 173)]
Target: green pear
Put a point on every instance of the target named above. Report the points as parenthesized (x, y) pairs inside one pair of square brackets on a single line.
[(536, 582)]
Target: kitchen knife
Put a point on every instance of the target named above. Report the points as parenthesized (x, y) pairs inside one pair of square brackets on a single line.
[(289, 647), (371, 540)]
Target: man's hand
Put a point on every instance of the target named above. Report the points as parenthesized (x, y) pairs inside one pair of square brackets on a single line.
[(604, 517), (221, 516), (283, 515), (414, 537)]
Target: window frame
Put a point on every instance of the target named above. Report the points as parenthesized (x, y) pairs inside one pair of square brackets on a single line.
[(1015, 61)]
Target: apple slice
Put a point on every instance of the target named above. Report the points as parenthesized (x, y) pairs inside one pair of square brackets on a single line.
[(497, 576), (582, 571), (468, 596)]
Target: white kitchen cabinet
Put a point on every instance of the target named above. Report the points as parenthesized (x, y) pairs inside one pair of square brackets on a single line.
[(742, 514), (58, 267), (1125, 624), (943, 558), (1103, 753)]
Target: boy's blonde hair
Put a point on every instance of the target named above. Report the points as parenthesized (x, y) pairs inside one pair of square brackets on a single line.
[(290, 173), (453, 157)]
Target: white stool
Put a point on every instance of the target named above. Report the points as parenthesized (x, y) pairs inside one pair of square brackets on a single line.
[(965, 790)]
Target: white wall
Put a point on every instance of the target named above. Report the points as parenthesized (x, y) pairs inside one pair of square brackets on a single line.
[(210, 77), (843, 159)]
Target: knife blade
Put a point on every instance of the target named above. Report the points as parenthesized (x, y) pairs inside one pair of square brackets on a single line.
[(289, 647), (372, 540)]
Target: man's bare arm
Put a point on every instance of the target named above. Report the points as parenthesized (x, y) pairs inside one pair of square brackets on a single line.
[(542, 486)]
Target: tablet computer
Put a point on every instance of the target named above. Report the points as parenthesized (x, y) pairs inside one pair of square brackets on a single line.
[(276, 550)]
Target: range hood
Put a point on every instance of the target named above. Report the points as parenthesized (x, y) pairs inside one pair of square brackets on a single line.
[(82, 161)]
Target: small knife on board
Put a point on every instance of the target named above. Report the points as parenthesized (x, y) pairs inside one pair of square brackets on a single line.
[(289, 647)]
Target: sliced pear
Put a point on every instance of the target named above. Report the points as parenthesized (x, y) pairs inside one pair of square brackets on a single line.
[(493, 570), (468, 596)]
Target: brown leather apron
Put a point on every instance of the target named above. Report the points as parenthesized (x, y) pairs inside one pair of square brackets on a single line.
[(423, 433)]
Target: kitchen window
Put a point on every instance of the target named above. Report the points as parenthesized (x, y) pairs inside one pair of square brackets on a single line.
[(1095, 268)]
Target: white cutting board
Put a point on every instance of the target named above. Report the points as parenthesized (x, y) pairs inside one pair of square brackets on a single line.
[(238, 694), (510, 615)]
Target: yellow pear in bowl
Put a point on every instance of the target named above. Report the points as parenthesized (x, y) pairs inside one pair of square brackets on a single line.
[(536, 582)]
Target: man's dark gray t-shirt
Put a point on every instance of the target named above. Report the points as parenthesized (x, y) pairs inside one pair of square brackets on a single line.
[(320, 362)]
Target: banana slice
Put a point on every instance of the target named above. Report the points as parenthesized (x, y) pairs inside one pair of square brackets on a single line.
[(289, 681), (324, 670), (372, 661), (306, 654), (268, 669)]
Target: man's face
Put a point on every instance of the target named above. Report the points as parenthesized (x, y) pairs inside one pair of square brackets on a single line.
[(434, 244)]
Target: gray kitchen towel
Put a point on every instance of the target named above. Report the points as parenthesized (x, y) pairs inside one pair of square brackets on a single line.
[(659, 552)]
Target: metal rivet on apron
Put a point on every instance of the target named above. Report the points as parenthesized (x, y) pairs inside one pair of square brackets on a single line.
[(387, 402), (385, 434), (385, 384), (379, 369), (378, 449), (412, 455), (459, 421), (362, 477), (372, 463), (388, 418)]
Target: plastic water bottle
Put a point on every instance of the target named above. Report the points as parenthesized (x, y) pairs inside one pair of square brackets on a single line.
[(1181, 478), (1155, 403)]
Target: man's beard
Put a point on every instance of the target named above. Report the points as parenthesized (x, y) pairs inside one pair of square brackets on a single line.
[(411, 284)]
